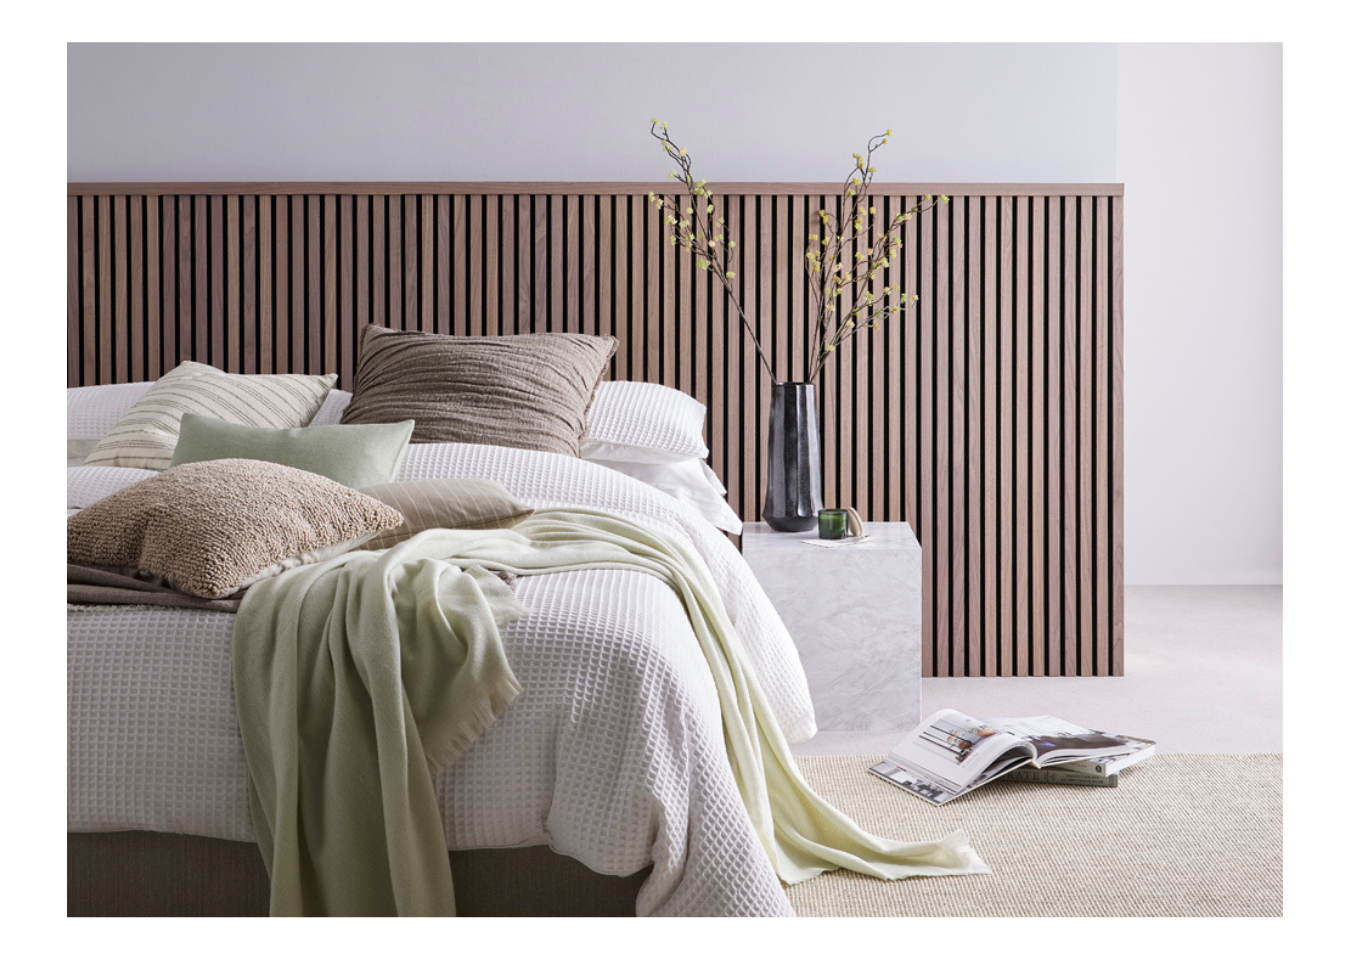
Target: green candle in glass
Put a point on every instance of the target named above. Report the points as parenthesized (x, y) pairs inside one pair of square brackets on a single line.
[(833, 524)]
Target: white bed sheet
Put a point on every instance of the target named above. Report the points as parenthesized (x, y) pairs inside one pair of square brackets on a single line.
[(613, 754)]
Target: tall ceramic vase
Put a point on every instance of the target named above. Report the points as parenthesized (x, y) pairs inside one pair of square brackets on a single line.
[(792, 499)]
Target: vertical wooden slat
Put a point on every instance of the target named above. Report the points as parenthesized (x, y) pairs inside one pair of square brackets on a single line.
[(508, 294), (184, 309), (249, 291), (461, 324), (1069, 326), (105, 291), (891, 391), (1085, 451), (492, 242), (444, 280), (234, 334), (942, 507), (136, 284), (330, 286), (120, 327), (681, 320), (363, 284), (767, 320), (473, 232), (216, 261), (783, 320), (696, 370), (281, 339), (394, 273), (833, 454), (346, 314), (747, 231), (524, 264), (379, 256), (928, 413), (153, 291), (1007, 442), (718, 352), (72, 291), (268, 244), (991, 429), (540, 284), (606, 266), (297, 320), (660, 289), (1101, 525), (975, 579), (89, 337), (622, 301), (426, 319), (911, 346), (957, 466), (314, 316), (1036, 509), (570, 268), (557, 310), (202, 317), (412, 264), (1117, 477), (1022, 444), (1054, 574)]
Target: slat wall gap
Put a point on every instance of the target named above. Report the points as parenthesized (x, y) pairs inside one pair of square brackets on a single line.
[(990, 417)]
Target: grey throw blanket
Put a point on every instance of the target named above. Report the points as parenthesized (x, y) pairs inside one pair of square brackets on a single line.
[(90, 585)]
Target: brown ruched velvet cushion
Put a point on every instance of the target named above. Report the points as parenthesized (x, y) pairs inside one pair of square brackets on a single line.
[(530, 391), (212, 528)]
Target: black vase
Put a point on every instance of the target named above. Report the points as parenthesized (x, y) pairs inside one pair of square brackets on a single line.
[(792, 498)]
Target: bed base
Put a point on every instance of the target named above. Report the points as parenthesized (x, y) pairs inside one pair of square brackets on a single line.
[(137, 873)]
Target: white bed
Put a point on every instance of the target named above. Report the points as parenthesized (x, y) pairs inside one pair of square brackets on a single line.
[(613, 754)]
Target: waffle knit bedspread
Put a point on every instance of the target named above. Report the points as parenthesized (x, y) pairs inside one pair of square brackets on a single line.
[(392, 662)]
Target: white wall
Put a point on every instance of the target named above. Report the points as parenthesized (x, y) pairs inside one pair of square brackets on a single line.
[(962, 112), (1199, 148), (1188, 129)]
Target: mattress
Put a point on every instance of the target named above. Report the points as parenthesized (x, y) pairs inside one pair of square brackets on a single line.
[(613, 754)]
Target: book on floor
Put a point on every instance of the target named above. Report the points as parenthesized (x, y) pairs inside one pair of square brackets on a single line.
[(950, 754)]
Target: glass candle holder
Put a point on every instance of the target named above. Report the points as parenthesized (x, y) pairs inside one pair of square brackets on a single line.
[(833, 524)]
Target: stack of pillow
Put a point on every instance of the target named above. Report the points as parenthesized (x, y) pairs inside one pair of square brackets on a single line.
[(205, 442)]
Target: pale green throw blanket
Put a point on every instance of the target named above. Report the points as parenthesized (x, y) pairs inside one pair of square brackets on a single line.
[(355, 676)]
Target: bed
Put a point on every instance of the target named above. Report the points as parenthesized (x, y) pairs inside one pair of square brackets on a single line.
[(605, 788)]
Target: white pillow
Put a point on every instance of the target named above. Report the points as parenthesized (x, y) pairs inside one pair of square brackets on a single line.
[(633, 422), (333, 407), (691, 481), (92, 411)]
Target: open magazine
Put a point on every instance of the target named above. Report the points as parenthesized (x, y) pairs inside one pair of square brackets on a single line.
[(951, 754)]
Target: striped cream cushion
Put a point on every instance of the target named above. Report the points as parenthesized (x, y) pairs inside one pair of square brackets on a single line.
[(451, 504), (146, 435)]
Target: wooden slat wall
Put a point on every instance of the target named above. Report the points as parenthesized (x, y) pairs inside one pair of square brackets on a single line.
[(990, 419)]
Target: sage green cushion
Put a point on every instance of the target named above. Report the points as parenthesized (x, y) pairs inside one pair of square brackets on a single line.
[(356, 455)]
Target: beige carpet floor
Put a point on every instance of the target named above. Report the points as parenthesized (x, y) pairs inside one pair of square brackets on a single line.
[(1189, 835)]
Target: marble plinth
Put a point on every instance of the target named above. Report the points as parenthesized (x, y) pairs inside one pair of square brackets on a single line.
[(855, 613)]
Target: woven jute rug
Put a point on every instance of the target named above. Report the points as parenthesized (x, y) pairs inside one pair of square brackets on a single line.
[(1184, 835)]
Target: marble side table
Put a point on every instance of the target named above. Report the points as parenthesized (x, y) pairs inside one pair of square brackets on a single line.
[(855, 613)]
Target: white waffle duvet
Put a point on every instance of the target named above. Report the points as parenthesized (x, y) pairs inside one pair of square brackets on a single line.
[(613, 754)]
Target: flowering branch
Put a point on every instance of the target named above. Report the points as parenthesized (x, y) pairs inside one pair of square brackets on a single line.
[(700, 232), (697, 232)]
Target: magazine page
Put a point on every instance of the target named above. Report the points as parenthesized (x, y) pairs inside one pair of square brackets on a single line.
[(950, 750), (1056, 740)]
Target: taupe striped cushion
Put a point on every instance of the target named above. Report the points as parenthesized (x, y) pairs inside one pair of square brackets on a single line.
[(452, 504), (210, 529), (530, 391), (146, 435)]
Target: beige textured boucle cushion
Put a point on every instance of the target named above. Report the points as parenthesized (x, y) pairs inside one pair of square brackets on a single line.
[(451, 504), (146, 434), (530, 391), (210, 529)]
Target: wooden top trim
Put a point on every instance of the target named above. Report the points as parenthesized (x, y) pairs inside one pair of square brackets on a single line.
[(587, 189)]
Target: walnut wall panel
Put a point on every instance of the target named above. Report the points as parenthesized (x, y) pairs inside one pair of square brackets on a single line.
[(990, 418)]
